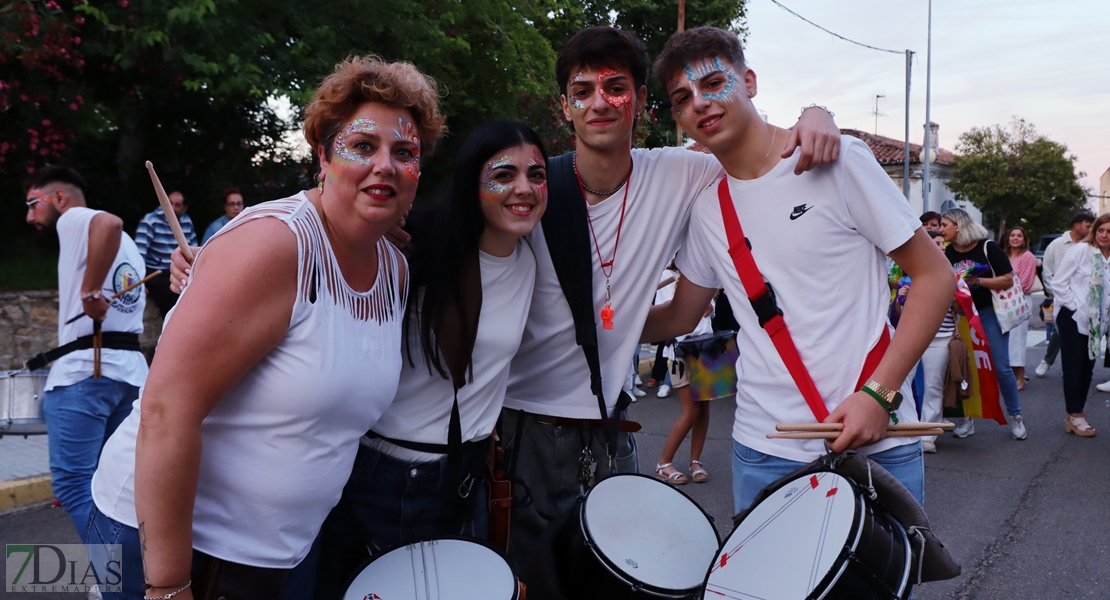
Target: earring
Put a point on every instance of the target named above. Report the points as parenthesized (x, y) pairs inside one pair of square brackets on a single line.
[(751, 94), (320, 183)]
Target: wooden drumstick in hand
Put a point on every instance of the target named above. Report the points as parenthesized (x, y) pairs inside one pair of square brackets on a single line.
[(171, 217)]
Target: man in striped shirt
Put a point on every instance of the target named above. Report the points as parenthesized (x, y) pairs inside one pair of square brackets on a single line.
[(156, 242)]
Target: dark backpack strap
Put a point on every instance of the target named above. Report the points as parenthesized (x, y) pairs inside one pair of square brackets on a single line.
[(566, 229), (113, 340)]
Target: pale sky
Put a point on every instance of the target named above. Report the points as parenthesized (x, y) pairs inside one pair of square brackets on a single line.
[(1047, 62)]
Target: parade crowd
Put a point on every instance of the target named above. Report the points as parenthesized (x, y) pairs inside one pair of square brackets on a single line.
[(339, 375)]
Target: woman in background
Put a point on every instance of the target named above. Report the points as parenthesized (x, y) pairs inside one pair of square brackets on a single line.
[(1025, 266)]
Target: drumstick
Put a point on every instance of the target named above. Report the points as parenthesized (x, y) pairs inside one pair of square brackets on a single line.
[(665, 283), (840, 426), (124, 291), (832, 435), (171, 217), (97, 341)]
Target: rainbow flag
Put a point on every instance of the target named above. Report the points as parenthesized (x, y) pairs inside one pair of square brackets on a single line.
[(984, 400)]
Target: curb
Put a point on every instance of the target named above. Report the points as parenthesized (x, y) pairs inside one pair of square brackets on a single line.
[(21, 492)]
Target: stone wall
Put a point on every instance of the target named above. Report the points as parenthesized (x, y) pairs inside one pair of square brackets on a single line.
[(29, 325)]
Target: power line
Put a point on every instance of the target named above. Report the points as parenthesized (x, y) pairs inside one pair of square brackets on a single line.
[(780, 5)]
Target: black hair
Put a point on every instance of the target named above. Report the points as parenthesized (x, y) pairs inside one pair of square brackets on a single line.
[(935, 233), (599, 47), (931, 215), (56, 174), (445, 250), (1081, 217)]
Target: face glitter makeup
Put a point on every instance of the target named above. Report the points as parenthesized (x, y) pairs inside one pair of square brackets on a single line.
[(348, 154), (618, 100), (490, 190), (696, 71), (406, 131), (537, 161), (575, 103)]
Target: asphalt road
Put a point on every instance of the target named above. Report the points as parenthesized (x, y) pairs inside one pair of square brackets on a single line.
[(1028, 519)]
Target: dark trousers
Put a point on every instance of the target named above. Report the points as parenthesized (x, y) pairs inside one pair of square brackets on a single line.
[(659, 367), (1053, 346), (160, 293), (1075, 362)]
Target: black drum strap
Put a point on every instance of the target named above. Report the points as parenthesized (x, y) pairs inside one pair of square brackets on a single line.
[(113, 340)]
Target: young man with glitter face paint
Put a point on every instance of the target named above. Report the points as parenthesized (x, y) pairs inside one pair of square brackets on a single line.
[(834, 300), (638, 204)]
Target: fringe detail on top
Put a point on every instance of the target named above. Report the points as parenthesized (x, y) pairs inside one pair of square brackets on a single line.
[(318, 270)]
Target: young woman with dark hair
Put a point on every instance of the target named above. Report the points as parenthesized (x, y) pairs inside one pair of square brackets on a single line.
[(419, 471), (1025, 269)]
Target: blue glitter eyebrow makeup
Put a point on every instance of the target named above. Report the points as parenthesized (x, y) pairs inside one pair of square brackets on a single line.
[(696, 71)]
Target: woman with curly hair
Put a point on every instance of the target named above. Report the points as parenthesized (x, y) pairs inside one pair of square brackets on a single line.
[(281, 353)]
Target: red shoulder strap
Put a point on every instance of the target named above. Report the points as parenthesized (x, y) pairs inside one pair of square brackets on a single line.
[(762, 298)]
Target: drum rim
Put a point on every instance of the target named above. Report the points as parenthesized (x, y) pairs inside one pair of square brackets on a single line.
[(825, 584), (616, 571), (434, 538)]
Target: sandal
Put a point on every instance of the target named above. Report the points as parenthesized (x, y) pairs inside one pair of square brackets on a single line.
[(1079, 426), (698, 475), (675, 478)]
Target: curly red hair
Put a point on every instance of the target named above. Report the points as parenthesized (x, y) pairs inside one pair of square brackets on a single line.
[(361, 79)]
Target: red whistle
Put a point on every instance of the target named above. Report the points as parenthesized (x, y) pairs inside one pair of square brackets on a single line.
[(607, 317)]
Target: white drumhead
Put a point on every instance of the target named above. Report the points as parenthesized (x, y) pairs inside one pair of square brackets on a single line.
[(787, 543), (435, 570), (650, 531)]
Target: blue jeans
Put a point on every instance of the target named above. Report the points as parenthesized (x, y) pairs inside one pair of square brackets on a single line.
[(386, 502), (79, 419), (1000, 356), (101, 531), (753, 470)]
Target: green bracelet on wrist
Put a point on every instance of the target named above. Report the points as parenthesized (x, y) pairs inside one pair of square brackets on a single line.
[(883, 403)]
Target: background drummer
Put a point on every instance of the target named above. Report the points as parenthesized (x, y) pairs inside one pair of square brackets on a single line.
[(96, 260), (821, 239)]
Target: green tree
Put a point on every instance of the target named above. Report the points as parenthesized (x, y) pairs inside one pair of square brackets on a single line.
[(1018, 177)]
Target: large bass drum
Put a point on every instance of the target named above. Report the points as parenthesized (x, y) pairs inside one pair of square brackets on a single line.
[(21, 399), (635, 537), (817, 536), (448, 568)]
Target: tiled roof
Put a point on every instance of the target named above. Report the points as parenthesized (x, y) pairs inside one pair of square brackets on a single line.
[(888, 151)]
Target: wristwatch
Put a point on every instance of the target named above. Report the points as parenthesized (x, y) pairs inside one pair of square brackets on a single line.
[(892, 397)]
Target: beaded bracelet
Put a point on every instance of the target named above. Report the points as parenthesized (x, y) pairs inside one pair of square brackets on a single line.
[(169, 595), (805, 108)]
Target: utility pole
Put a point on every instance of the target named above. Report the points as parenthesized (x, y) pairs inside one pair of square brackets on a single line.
[(906, 152), (876, 112), (681, 28), (925, 195)]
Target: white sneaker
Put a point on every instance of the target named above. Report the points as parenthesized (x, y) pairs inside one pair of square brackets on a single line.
[(1017, 427), (965, 428), (663, 391), (638, 393), (1103, 387), (1042, 369), (929, 446), (639, 381)]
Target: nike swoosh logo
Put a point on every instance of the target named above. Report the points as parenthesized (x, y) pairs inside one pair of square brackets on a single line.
[(799, 211)]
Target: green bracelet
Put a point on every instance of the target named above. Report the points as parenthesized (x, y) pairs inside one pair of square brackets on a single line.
[(883, 403)]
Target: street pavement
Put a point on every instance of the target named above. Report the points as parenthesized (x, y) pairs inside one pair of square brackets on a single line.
[(1026, 519)]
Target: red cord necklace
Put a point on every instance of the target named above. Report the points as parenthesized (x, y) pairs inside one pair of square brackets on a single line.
[(607, 312)]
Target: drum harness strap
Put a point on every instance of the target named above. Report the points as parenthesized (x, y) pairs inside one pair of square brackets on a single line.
[(762, 298), (113, 340), (572, 257)]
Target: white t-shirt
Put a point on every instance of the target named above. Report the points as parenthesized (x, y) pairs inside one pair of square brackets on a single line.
[(125, 313), (821, 240), (421, 410), (549, 375)]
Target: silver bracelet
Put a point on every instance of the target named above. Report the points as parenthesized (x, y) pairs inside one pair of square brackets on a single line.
[(171, 594), (805, 108)]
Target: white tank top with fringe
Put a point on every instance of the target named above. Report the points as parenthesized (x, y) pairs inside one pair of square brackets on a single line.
[(279, 447)]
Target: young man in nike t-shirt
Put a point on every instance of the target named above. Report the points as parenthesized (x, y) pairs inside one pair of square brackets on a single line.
[(821, 240)]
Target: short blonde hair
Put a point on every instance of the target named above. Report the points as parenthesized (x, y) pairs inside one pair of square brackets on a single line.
[(361, 79), (968, 231)]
